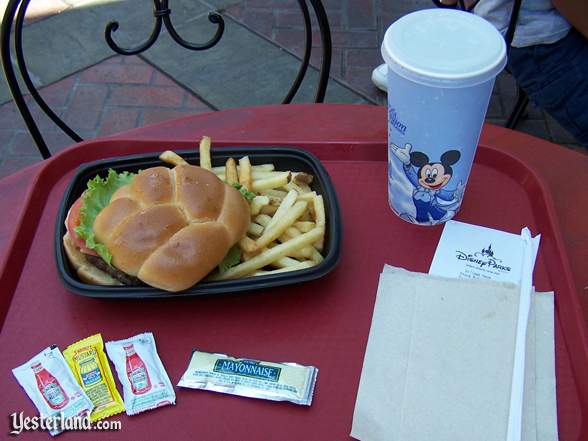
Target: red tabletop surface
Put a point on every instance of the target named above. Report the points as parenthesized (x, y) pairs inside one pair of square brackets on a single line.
[(308, 324)]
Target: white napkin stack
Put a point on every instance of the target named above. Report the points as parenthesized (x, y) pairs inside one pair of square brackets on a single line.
[(539, 403), (494, 255)]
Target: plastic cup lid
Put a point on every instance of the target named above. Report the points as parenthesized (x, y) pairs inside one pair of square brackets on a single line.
[(444, 48)]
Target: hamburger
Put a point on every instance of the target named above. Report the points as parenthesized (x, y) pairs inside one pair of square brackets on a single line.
[(167, 228)]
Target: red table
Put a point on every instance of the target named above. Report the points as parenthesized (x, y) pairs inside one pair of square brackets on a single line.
[(284, 325)]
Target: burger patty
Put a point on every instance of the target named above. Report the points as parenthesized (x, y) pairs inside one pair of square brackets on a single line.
[(116, 273)]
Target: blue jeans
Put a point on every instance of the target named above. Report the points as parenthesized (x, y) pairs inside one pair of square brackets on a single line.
[(555, 76)]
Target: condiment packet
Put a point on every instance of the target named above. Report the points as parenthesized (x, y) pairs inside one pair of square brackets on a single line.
[(88, 362), (250, 378), (51, 386), (141, 373)]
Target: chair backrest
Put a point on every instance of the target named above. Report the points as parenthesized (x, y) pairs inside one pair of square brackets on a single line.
[(13, 22), (512, 24)]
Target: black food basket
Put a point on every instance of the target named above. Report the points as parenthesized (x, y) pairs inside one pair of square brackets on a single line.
[(284, 158)]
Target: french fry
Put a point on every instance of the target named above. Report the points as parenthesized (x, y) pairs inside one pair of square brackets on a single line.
[(260, 168), (320, 217), (319, 211), (269, 209), (316, 257), (264, 167), (257, 203), (300, 255), (274, 200), (304, 226), (247, 256), (305, 188), (284, 261), (255, 175), (287, 202), (255, 229), (307, 252), (288, 219), (306, 217), (292, 186), (263, 219), (263, 174), (172, 158), (304, 253), (205, 153), (231, 172), (292, 231), (279, 180), (275, 193), (300, 265), (245, 178), (248, 245), (275, 230), (309, 197), (301, 178), (270, 255)]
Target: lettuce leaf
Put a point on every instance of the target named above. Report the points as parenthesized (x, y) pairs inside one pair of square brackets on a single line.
[(94, 200), (246, 194), (233, 258)]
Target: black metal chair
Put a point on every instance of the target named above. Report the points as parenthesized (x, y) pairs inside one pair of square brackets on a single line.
[(13, 21), (522, 98)]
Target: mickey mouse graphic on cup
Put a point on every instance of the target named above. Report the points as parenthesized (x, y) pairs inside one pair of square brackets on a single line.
[(433, 202)]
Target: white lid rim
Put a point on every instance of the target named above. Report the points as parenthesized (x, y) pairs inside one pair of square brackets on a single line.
[(450, 80)]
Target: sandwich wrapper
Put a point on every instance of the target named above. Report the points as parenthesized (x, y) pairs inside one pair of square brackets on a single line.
[(443, 362)]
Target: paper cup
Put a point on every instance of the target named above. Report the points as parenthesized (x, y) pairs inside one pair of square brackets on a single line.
[(441, 69)]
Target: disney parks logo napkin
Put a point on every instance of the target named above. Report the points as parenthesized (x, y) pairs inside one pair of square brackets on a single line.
[(473, 252), (468, 251)]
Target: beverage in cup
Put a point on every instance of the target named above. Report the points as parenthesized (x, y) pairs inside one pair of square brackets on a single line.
[(441, 69)]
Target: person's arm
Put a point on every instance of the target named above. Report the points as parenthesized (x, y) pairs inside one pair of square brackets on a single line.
[(576, 12)]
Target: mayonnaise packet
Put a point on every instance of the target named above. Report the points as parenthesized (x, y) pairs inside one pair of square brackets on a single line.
[(250, 378), (141, 373), (89, 364), (51, 386)]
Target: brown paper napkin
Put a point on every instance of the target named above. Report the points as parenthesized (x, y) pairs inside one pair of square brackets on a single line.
[(439, 359), (438, 363)]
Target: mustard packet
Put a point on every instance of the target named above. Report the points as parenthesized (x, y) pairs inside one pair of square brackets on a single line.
[(89, 364)]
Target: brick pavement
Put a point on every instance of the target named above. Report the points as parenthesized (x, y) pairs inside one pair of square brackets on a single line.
[(358, 28), (117, 94), (126, 92)]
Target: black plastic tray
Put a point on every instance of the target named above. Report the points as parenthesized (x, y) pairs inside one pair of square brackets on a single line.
[(284, 158)]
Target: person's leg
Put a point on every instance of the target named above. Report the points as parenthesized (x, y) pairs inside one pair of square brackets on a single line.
[(555, 76)]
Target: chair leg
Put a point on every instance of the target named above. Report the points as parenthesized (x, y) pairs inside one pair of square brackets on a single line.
[(518, 110)]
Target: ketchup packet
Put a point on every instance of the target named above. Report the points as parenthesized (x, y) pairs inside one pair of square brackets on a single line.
[(51, 386), (88, 362), (141, 373)]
